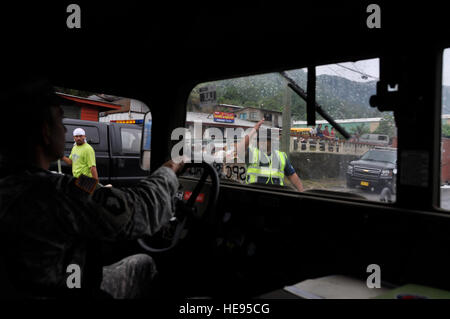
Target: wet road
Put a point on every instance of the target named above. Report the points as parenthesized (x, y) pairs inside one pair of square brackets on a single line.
[(369, 195), (375, 196), (445, 197)]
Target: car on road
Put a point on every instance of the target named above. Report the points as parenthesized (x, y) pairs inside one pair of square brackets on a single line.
[(375, 139), (375, 170)]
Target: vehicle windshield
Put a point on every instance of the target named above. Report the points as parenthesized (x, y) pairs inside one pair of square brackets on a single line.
[(380, 156), (225, 111)]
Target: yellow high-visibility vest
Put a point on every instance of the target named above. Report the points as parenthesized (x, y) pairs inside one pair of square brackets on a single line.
[(255, 170)]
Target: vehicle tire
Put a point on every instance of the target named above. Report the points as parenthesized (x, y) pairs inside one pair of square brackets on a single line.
[(350, 184), (386, 195)]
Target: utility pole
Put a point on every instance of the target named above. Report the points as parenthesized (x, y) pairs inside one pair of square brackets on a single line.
[(286, 133)]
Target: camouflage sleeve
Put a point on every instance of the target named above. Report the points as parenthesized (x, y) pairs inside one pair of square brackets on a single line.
[(121, 213)]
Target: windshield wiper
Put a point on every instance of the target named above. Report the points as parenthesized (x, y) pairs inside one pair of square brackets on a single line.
[(301, 93)]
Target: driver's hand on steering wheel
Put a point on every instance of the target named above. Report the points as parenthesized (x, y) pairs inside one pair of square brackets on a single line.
[(176, 166)]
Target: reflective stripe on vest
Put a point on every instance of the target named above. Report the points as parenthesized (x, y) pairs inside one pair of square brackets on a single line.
[(254, 170)]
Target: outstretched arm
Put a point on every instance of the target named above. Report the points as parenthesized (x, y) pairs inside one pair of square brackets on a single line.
[(243, 144), (112, 214), (295, 180)]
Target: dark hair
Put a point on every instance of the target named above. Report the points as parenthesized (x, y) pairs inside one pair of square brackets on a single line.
[(26, 104)]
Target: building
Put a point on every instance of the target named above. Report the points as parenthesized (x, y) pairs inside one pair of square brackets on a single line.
[(102, 108), (253, 114), (228, 108), (82, 108), (130, 109), (209, 120), (445, 119), (371, 123)]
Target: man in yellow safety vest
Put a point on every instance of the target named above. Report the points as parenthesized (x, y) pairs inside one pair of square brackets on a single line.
[(267, 166)]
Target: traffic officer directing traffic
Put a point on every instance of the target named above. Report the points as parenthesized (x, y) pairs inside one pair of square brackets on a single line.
[(267, 167), (82, 156)]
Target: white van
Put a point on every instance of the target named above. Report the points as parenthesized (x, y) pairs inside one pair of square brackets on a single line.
[(375, 139)]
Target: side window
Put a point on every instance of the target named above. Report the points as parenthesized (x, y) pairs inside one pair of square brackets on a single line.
[(320, 157), (131, 140), (445, 132), (87, 107)]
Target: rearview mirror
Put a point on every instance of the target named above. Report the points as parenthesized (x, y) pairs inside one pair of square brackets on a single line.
[(146, 142)]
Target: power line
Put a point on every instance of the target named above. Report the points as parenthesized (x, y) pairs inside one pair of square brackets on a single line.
[(359, 72), (335, 72), (356, 67)]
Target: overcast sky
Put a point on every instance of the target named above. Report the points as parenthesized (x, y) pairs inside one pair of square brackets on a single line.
[(446, 68), (353, 71), (371, 69)]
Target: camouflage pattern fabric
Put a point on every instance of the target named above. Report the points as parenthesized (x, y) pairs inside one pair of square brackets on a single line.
[(48, 223), (131, 278)]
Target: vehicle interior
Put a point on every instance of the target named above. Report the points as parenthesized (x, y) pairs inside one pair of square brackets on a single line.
[(254, 240)]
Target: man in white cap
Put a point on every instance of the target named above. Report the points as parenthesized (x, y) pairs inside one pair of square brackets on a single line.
[(82, 156)]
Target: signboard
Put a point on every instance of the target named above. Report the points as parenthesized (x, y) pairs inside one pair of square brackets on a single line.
[(208, 97), (223, 117)]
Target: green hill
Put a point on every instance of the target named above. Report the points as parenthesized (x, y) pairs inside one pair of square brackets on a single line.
[(340, 97)]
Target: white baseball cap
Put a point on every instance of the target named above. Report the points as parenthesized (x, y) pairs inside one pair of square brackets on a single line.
[(78, 131)]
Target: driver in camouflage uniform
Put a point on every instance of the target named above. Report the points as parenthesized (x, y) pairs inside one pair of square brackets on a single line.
[(50, 221)]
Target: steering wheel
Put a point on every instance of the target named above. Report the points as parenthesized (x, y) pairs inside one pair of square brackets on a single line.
[(184, 211)]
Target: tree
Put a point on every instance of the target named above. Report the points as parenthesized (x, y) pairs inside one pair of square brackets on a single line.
[(193, 102), (387, 125), (359, 130), (446, 130), (339, 97)]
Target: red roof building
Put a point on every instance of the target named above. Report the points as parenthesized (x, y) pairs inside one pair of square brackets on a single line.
[(82, 108)]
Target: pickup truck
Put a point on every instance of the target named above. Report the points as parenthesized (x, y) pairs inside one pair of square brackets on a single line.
[(117, 150)]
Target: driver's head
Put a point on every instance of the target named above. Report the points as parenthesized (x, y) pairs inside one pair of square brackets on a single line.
[(35, 119)]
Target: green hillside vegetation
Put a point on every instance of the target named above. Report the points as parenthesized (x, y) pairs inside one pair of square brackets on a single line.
[(446, 130), (340, 97)]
